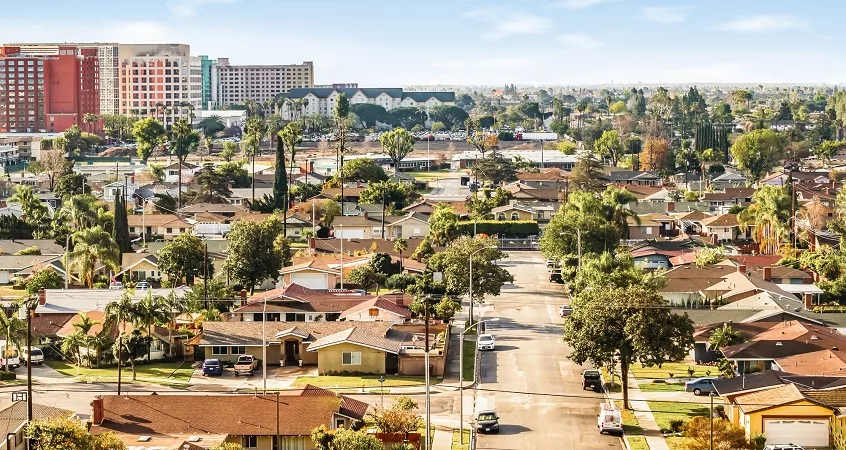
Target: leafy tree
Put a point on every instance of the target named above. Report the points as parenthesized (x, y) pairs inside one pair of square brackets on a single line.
[(152, 310), (623, 319), (616, 203), (400, 246), (443, 225), (132, 346), (407, 117), (213, 186), (383, 263), (654, 154), (496, 168), (446, 308), (11, 227), (54, 164), (609, 145), (149, 133), (451, 116), (34, 210), (183, 139), (73, 138), (93, 245), (164, 203), (182, 259), (587, 173), (707, 256), (43, 279), (424, 250), (70, 184), (364, 170), (211, 125), (770, 214), (395, 195), (454, 262), (438, 126), (721, 113), (827, 149), (228, 446), (567, 147), (219, 296), (726, 435), (14, 331), (725, 336), (68, 434), (401, 417), (486, 122), (400, 281), (758, 151), (235, 173), (249, 261), (303, 192), (584, 215), (397, 144), (229, 151), (617, 107), (120, 230), (365, 277), (370, 114), (481, 140)]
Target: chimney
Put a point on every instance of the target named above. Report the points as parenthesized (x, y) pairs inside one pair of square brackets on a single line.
[(42, 297), (310, 166), (714, 240), (671, 207), (243, 295), (358, 184), (742, 269), (97, 411), (809, 301), (312, 243), (768, 273), (365, 215)]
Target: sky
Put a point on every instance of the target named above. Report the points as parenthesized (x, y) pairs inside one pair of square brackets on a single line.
[(394, 43)]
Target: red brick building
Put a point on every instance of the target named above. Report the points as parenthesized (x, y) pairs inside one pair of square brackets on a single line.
[(48, 93)]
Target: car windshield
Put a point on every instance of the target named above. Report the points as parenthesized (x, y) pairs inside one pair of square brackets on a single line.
[(211, 363), (487, 416), (36, 351), (591, 374), (486, 338)]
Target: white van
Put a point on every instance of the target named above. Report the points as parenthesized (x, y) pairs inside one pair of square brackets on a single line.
[(9, 358), (610, 419)]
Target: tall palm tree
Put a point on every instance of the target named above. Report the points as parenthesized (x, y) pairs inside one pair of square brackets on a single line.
[(14, 330), (83, 329), (79, 212), (256, 130), (176, 306), (183, 139), (400, 245), (89, 120), (152, 310), (616, 202), (118, 314), (769, 213), (93, 245)]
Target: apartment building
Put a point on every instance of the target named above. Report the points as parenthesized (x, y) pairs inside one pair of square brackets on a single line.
[(109, 73), (322, 100), (47, 92), (160, 80), (260, 83), (209, 79)]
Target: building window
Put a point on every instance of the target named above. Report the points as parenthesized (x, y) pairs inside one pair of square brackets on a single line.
[(500, 216), (237, 350), (250, 441), (219, 350), (515, 216), (351, 358), (374, 312)]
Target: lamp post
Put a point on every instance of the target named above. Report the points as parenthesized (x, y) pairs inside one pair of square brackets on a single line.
[(461, 377), (382, 390), (471, 278), (711, 445), (342, 254)]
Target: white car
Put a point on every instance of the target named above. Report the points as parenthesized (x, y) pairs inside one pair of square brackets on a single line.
[(37, 356), (116, 285), (783, 447), (486, 342)]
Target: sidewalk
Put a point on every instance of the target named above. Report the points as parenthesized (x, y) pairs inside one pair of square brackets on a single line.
[(442, 439), (645, 419)]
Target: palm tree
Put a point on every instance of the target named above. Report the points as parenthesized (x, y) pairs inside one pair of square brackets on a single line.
[(183, 139), (769, 213), (176, 306), (400, 245), (725, 337), (13, 329), (90, 119), (118, 314), (616, 202), (92, 245), (79, 212), (256, 130), (83, 329), (152, 311)]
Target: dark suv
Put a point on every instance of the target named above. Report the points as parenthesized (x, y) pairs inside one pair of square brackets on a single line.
[(592, 379), (212, 367), (487, 422)]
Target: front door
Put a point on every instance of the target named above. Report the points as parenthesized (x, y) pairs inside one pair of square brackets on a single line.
[(292, 353), (391, 363)]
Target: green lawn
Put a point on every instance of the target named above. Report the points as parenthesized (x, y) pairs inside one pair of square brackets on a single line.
[(661, 387), (631, 426), (469, 360), (455, 440), (442, 173), (156, 372), (360, 381), (677, 443), (637, 443), (665, 411), (679, 370)]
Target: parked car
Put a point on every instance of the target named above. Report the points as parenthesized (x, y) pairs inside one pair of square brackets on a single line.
[(37, 356), (555, 276), (592, 379), (246, 365), (116, 285), (700, 386), (565, 310), (783, 447), (610, 419), (212, 367), (142, 286), (487, 422), (550, 263), (486, 342)]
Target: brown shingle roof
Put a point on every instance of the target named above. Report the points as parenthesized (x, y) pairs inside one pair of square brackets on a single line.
[(16, 415), (725, 220), (250, 333), (46, 325), (150, 220), (769, 398), (380, 303)]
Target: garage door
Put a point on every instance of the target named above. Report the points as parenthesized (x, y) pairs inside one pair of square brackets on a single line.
[(311, 280), (807, 433), (348, 234)]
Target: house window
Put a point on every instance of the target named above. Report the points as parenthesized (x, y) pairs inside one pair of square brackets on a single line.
[(515, 216), (169, 230), (250, 441), (340, 423), (648, 230), (237, 350), (374, 312), (500, 216), (351, 358), (219, 350)]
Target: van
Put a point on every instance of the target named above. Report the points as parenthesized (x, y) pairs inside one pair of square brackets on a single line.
[(610, 419), (9, 357)]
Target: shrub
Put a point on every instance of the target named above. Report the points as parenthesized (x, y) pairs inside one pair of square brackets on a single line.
[(509, 228), (677, 425), (33, 250), (5, 375)]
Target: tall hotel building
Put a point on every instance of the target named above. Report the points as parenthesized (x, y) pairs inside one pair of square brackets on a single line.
[(259, 83)]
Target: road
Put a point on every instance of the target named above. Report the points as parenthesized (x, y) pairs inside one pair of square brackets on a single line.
[(448, 190), (528, 380)]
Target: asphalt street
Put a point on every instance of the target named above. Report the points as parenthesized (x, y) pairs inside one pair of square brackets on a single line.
[(528, 379), (448, 190)]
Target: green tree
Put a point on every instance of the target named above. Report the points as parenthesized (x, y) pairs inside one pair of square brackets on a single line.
[(609, 145), (450, 116), (182, 259), (725, 336), (616, 202), (229, 151), (365, 277), (369, 114), (249, 261), (443, 225), (149, 133), (401, 417), (212, 186), (228, 446), (495, 168), (235, 173), (92, 246), (703, 433), (68, 434), (34, 210), (164, 203), (617, 107), (424, 250), (626, 324), (770, 215), (587, 173), (303, 192), (211, 125), (43, 279), (183, 139), (446, 308), (120, 230), (454, 262), (438, 127), (400, 246), (396, 196), (152, 310), (133, 345), (363, 169), (397, 144), (70, 184), (758, 151), (291, 136), (14, 331), (73, 138), (344, 439)]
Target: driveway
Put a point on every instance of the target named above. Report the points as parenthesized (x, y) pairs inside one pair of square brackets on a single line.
[(530, 382), (277, 378)]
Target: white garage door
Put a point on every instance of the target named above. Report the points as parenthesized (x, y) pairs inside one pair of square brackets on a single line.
[(348, 234), (807, 433), (311, 280)]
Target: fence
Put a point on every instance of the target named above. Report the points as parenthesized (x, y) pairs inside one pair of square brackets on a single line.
[(518, 243)]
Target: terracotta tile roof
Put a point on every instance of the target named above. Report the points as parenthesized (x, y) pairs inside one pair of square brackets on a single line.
[(380, 303), (725, 220), (208, 217), (769, 398), (755, 260), (69, 329), (350, 407), (821, 362), (243, 415)]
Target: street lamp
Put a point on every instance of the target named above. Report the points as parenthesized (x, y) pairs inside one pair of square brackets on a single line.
[(471, 277), (461, 376), (382, 390)]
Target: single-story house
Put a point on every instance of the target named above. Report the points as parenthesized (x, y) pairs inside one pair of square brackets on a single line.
[(377, 309), (13, 264), (139, 267), (362, 227), (414, 225), (296, 303), (312, 274), (513, 212), (188, 172), (13, 421)]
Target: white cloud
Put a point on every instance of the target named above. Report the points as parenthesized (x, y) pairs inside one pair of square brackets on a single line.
[(580, 41), (764, 23), (502, 23), (577, 4), (664, 14), (190, 8)]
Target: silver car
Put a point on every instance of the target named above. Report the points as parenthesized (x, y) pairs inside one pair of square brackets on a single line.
[(486, 342)]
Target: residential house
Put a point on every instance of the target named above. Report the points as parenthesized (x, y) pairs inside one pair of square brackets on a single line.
[(546, 174), (783, 178), (296, 303), (221, 209), (13, 420), (167, 226), (357, 246), (726, 228), (642, 228), (112, 190), (648, 193), (423, 206), (312, 274), (691, 222), (722, 201), (46, 246), (242, 196), (362, 227), (148, 192), (184, 421), (351, 192), (140, 267), (635, 177), (414, 225), (11, 265), (728, 179), (513, 211), (377, 309), (188, 172)]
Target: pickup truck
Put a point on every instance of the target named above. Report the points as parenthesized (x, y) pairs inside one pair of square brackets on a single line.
[(246, 365), (592, 379)]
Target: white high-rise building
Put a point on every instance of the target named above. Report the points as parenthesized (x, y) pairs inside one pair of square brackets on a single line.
[(159, 80), (107, 55), (260, 83)]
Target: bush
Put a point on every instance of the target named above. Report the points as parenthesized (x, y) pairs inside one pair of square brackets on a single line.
[(507, 228), (100, 285), (5, 375), (505, 136), (33, 250), (677, 425)]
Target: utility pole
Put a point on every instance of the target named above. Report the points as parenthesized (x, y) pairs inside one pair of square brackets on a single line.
[(278, 433), (120, 355), (711, 446), (428, 411), (206, 273)]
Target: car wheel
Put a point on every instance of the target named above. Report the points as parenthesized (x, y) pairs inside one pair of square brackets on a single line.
[(697, 391)]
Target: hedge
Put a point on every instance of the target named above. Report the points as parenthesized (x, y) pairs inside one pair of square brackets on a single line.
[(505, 228)]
